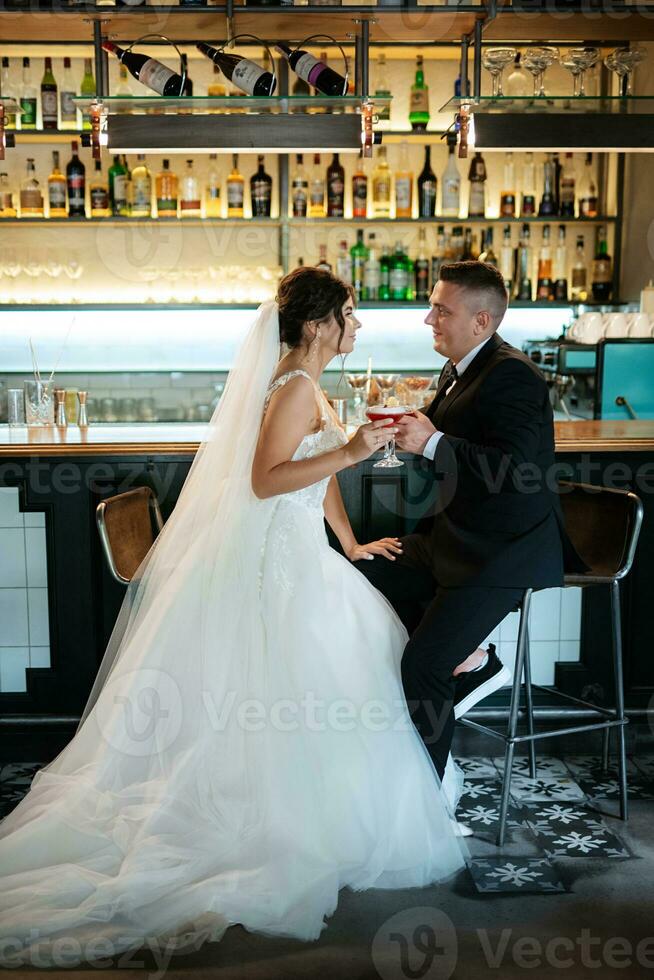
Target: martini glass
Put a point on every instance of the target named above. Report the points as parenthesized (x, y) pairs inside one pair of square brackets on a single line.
[(537, 61), (495, 61), (358, 383), (417, 386), (393, 414), (577, 61), (386, 384), (622, 62)]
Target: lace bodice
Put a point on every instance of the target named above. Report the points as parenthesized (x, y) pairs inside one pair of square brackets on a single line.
[(329, 436)]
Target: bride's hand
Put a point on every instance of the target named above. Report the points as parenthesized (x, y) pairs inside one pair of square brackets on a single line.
[(388, 547), (368, 439)]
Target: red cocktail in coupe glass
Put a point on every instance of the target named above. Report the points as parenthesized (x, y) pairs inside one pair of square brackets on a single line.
[(392, 414)]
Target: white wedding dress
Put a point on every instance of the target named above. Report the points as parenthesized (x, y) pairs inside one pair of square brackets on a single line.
[(309, 778)]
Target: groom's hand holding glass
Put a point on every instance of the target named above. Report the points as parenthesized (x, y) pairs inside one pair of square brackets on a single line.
[(414, 432)]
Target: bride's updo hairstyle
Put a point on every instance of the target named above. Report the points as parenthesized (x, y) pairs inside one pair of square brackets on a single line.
[(307, 294)]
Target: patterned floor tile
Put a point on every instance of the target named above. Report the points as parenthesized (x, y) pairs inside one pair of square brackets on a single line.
[(480, 768), (573, 843), (598, 786), (515, 874), (583, 765), (481, 789), (571, 830), (524, 789), (484, 814), (547, 766), (645, 764)]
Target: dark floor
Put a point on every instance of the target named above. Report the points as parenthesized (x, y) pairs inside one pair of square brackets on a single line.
[(570, 894)]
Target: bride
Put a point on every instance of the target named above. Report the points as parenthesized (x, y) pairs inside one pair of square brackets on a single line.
[(246, 750)]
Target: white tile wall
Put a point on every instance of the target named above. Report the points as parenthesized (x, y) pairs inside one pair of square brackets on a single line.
[(24, 623)]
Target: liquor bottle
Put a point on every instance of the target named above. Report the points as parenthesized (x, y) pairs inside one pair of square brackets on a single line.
[(56, 190), (217, 88), (49, 101), (67, 96), (235, 190), (477, 177), (344, 263), (419, 101), (360, 190), (381, 186), (588, 190), (123, 90), (359, 255), (557, 183), (467, 254), (404, 186), (382, 91), (261, 191), (188, 81), (528, 204), (301, 89), (371, 273), (76, 184), (148, 71), (579, 285), (300, 189), (451, 182), (8, 92), (87, 91), (322, 262), (561, 268), (141, 198), (31, 198), (439, 253), (487, 253), (427, 188), (335, 189), (508, 195), (601, 280), (567, 188), (422, 284), (507, 259), (27, 98), (167, 185), (128, 186), (99, 193), (398, 274), (7, 205), (517, 83), (384, 274), (545, 281), (190, 199), (523, 266), (456, 244), (314, 71), (457, 86), (117, 179), (212, 201), (548, 200), (317, 190)]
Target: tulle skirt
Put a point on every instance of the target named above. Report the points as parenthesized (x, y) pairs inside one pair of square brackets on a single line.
[(238, 771)]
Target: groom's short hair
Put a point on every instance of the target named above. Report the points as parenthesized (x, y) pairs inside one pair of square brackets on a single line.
[(481, 278)]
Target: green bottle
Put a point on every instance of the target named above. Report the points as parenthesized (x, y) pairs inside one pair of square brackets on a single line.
[(27, 98), (87, 89), (117, 180), (359, 254), (384, 275), (419, 102), (399, 269)]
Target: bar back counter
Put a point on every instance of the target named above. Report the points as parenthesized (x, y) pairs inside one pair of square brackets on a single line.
[(59, 601)]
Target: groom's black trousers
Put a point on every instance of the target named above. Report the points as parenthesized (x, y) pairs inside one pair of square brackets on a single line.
[(445, 626)]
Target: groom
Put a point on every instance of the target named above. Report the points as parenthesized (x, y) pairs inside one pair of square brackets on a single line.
[(487, 439)]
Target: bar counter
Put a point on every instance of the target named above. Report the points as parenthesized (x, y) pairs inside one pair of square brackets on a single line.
[(171, 438)]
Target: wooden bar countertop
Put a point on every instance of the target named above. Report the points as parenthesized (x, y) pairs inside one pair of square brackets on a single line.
[(165, 438)]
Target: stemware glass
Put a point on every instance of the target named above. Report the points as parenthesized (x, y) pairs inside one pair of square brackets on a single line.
[(577, 61), (537, 61), (495, 61), (358, 383), (393, 413), (622, 62)]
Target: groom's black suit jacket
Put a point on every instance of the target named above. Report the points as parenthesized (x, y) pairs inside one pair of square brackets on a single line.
[(497, 521)]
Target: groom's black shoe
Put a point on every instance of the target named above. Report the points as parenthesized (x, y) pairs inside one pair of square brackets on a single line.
[(475, 685)]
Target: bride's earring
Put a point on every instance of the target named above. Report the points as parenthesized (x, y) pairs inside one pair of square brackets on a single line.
[(313, 346)]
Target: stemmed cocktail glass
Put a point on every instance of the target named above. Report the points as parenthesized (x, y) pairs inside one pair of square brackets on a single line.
[(495, 61), (577, 61), (622, 62), (537, 61), (358, 383)]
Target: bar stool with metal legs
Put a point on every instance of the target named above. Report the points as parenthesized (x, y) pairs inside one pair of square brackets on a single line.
[(604, 526), (128, 524)]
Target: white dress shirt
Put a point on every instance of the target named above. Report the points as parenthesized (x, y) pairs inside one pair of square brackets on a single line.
[(430, 447)]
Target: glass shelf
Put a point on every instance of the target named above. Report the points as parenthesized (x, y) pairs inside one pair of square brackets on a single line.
[(612, 104), (281, 104)]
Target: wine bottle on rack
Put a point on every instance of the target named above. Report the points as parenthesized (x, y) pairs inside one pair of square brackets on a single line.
[(323, 78), (246, 75), (148, 71), (335, 189), (261, 191), (76, 181)]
